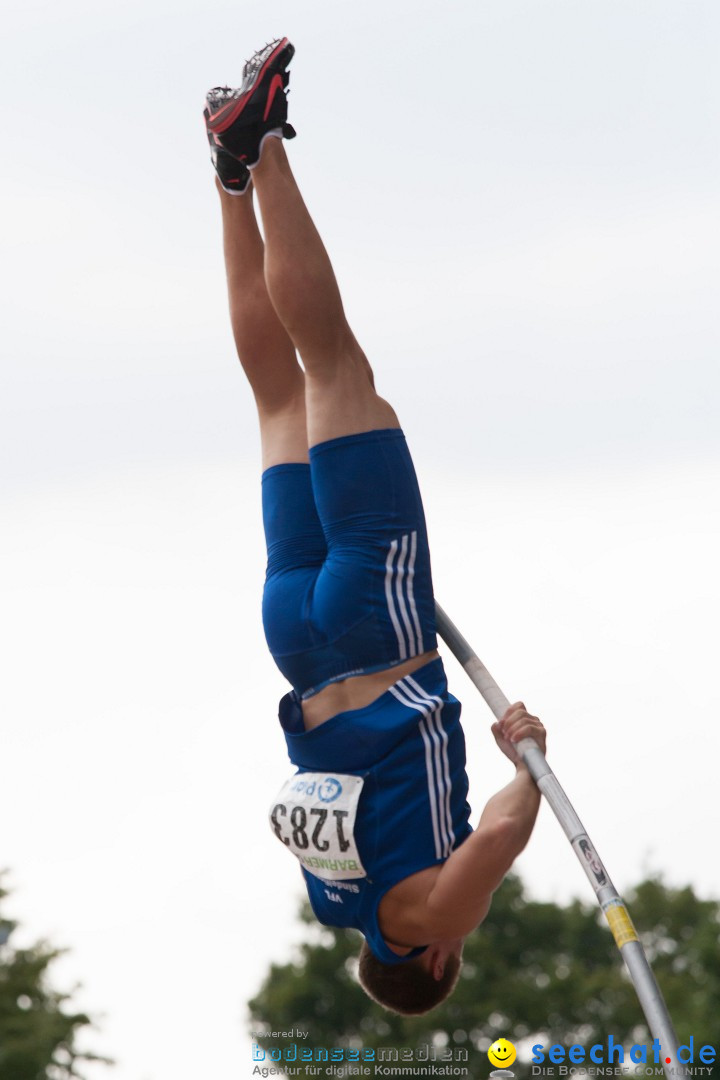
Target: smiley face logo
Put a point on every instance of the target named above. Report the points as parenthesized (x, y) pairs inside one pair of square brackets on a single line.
[(502, 1053)]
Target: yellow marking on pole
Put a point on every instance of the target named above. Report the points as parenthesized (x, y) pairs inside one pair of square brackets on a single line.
[(620, 923)]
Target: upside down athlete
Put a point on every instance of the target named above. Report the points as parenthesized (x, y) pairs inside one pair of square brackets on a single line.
[(377, 812)]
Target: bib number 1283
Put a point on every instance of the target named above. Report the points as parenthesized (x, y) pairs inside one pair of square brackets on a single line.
[(314, 816)]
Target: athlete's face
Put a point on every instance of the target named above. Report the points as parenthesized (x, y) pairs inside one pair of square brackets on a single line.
[(435, 956)]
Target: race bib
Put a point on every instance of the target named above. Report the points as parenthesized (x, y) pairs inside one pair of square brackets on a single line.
[(314, 816)]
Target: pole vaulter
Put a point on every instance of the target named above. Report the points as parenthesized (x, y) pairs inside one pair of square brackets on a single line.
[(376, 813)]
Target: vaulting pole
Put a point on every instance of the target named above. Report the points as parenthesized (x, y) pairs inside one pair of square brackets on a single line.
[(610, 901)]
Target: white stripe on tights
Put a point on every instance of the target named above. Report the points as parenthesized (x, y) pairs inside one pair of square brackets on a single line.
[(390, 602)]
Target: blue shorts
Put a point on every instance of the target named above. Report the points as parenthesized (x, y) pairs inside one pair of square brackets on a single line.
[(348, 588)]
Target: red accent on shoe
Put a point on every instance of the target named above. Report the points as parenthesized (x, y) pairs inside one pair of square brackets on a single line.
[(276, 82), (222, 119)]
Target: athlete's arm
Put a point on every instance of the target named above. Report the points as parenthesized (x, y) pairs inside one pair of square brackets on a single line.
[(461, 894)]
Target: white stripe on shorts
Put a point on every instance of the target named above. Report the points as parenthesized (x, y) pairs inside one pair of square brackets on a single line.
[(390, 602), (399, 583), (411, 592), (400, 595)]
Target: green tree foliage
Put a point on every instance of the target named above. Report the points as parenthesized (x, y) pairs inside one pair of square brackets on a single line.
[(532, 970), (37, 1030)]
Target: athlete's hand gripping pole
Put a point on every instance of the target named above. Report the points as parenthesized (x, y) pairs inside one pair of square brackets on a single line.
[(610, 901)]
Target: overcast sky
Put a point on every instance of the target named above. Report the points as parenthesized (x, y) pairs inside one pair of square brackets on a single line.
[(521, 201)]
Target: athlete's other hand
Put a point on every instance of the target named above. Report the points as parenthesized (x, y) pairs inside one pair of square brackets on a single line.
[(516, 724)]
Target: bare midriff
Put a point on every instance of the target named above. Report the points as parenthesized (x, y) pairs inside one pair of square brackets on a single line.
[(357, 691)]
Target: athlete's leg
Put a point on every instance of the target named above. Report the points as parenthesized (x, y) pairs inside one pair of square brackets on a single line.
[(365, 610), (339, 392), (295, 541), (266, 352), (373, 595)]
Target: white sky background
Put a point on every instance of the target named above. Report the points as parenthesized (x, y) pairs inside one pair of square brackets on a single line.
[(521, 201)]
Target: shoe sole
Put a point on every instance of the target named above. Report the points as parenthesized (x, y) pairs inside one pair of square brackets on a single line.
[(227, 116)]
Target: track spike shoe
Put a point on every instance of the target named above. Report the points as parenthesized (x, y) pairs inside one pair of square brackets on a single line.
[(240, 119)]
